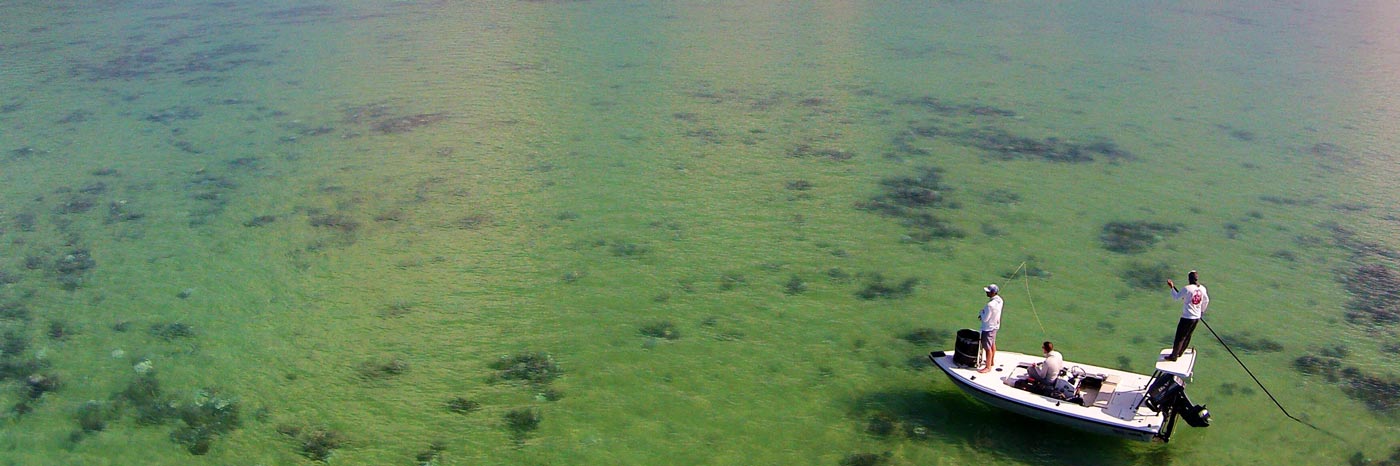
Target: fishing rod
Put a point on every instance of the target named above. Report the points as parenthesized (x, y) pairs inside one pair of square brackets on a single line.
[(1261, 384)]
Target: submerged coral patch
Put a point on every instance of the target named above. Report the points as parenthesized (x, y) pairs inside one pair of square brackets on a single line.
[(878, 288), (534, 367), (1372, 281), (407, 123), (1379, 392), (927, 336), (1136, 236), (795, 286), (93, 415), (1248, 343), (382, 119), (145, 399), (1146, 276), (299, 14), (14, 311), (1005, 145), (661, 329), (829, 153), (72, 267), (996, 141), (171, 114), (914, 199), (316, 443), (261, 220), (209, 416), (1375, 294), (462, 405), (382, 369), (923, 189), (334, 222), (865, 459), (946, 108), (170, 331), (522, 421)]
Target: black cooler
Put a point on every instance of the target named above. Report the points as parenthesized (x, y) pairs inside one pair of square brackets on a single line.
[(965, 350)]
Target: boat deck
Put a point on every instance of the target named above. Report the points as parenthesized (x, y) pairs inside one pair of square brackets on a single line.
[(1114, 407)]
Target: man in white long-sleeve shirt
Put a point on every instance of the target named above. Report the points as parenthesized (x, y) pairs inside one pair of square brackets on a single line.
[(991, 321), (1194, 301)]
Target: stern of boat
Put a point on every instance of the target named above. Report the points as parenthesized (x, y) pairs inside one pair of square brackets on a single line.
[(1166, 394)]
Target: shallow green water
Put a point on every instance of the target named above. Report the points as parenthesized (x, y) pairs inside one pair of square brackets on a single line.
[(337, 218)]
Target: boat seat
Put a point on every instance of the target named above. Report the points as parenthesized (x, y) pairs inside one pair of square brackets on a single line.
[(1110, 385)]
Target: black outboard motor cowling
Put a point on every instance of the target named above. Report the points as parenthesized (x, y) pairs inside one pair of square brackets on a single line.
[(1163, 392)]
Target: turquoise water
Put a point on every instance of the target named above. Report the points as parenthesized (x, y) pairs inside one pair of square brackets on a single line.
[(605, 232)]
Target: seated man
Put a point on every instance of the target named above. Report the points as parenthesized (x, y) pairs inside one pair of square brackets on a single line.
[(1048, 370)]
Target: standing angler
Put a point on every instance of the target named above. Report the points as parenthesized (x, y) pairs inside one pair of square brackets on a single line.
[(1194, 301), (991, 321)]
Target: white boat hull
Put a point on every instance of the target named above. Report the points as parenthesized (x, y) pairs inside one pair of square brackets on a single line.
[(1115, 409)]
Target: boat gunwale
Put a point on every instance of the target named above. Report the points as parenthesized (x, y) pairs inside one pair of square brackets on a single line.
[(1151, 431)]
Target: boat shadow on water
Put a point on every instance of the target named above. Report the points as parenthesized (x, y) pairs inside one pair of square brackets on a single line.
[(944, 415)]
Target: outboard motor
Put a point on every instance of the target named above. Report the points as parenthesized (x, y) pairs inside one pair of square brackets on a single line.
[(966, 347), (1194, 415), (1165, 393)]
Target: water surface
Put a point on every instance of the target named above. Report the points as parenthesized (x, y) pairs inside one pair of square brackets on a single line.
[(605, 232)]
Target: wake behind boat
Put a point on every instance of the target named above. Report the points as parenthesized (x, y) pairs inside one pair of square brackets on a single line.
[(1086, 397)]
